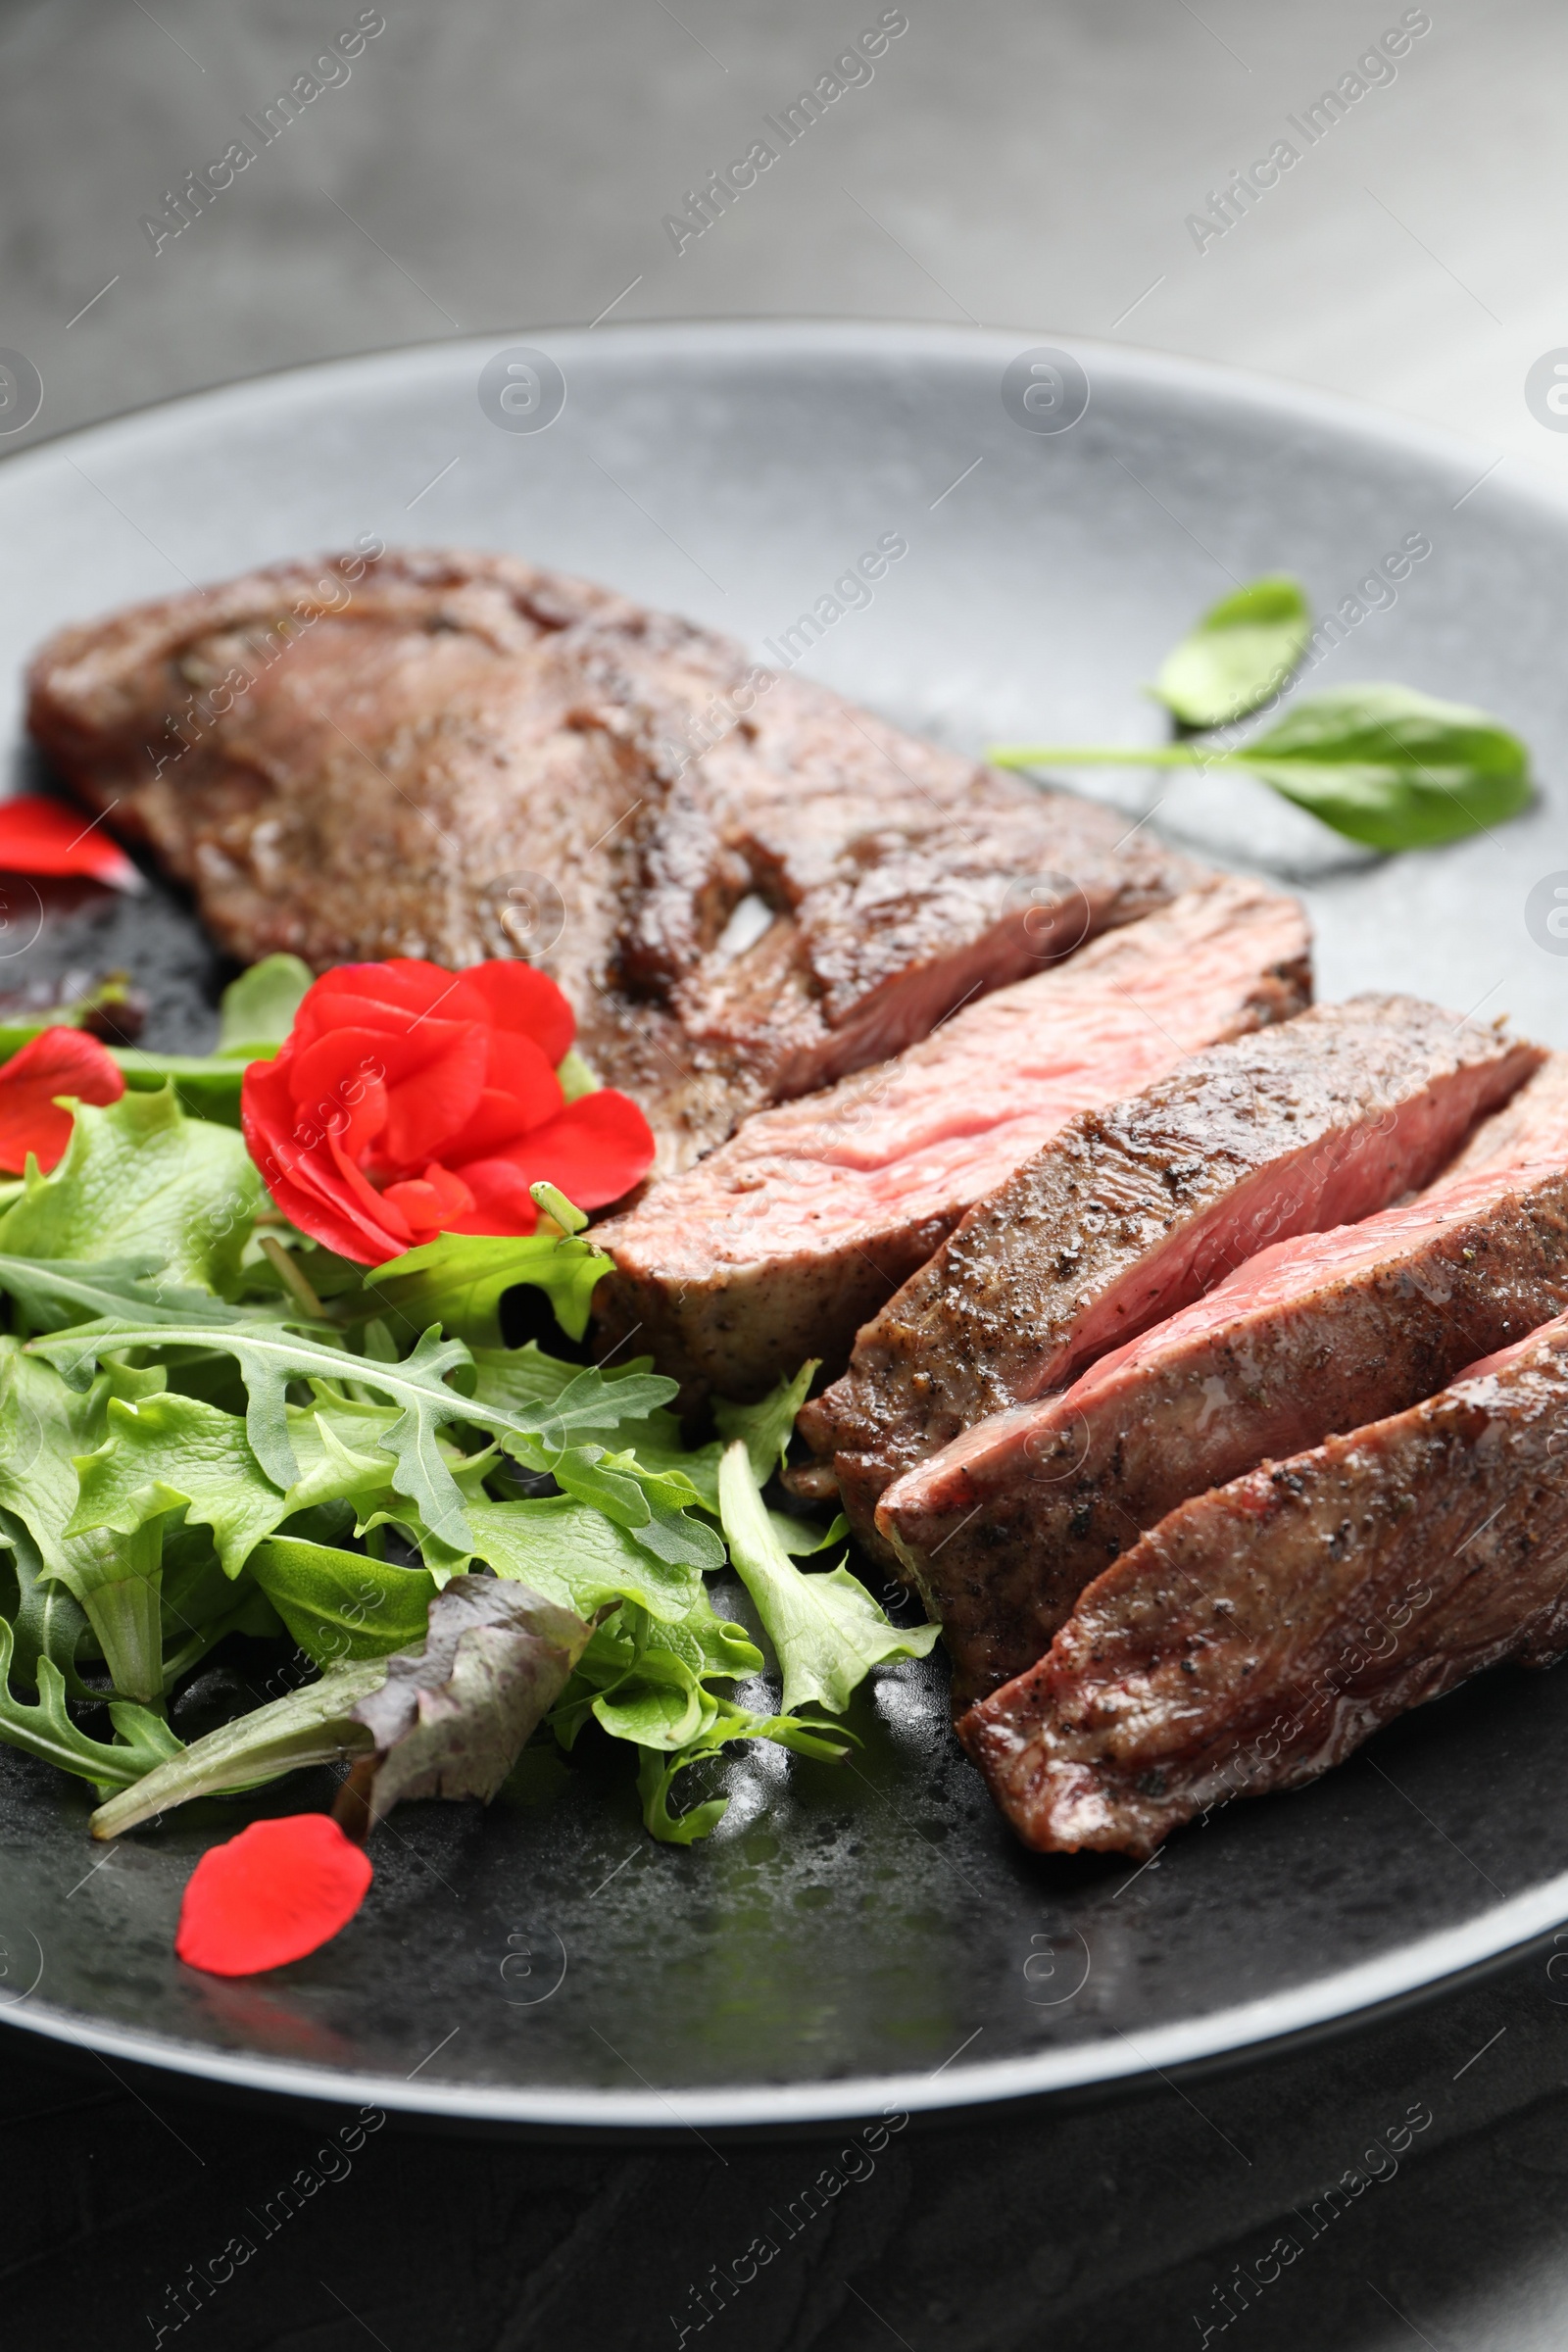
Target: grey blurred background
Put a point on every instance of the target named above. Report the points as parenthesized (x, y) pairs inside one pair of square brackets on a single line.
[(487, 166), (1032, 166)]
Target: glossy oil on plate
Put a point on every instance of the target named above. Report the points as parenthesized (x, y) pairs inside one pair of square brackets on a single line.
[(868, 1936)]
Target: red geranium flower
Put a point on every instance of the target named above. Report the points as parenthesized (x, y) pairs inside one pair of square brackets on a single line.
[(57, 1061), (279, 1889), (409, 1102)]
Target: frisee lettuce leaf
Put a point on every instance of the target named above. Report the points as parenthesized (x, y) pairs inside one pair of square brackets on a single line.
[(139, 1178)]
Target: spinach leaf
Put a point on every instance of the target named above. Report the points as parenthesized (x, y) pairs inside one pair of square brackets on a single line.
[(1392, 769), (1242, 651), (1382, 764)]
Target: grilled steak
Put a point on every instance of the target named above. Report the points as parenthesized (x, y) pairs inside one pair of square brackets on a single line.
[(1261, 1632), (1005, 1528), (746, 886), (1532, 1126), (779, 1244), (1136, 1211)]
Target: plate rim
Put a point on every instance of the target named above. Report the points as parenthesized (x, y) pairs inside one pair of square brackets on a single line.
[(1349, 1999)]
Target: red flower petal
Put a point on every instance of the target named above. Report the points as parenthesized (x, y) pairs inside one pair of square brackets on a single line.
[(279, 1889), (430, 1201), (40, 836), (522, 999), (58, 1061), (521, 1092), (595, 1149)]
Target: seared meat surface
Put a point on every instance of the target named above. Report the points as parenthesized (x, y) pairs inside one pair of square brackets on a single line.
[(1005, 1528), (1262, 1631), (1137, 1209), (747, 887), (780, 1244)]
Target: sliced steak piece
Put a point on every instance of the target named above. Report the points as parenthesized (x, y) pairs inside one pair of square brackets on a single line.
[(1137, 1209), (1005, 1528), (782, 1244), (1261, 1632), (746, 886), (1532, 1126)]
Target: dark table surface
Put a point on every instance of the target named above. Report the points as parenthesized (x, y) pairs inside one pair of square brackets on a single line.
[(487, 166)]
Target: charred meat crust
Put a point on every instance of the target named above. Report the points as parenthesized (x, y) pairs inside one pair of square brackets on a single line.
[(1262, 1631), (779, 1244), (1006, 1526), (457, 755), (1137, 1209)]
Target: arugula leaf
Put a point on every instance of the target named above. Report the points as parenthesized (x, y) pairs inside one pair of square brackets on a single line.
[(567, 1402), (826, 1628), (459, 1281), (269, 1358), (139, 1176), (766, 1427), (256, 1012), (54, 1292), (653, 1506), (46, 1730), (342, 1604), (1382, 764), (657, 1773), (451, 1719), (1243, 649), (314, 1725), (575, 1555)]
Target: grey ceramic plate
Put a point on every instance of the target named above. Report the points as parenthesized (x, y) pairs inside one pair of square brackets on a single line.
[(863, 1938)]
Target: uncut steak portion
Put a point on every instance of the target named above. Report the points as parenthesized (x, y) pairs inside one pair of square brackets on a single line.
[(1005, 1526), (1264, 1630), (746, 886), (1137, 1209), (779, 1244)]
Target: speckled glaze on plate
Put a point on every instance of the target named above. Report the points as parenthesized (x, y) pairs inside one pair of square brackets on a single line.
[(869, 1938)]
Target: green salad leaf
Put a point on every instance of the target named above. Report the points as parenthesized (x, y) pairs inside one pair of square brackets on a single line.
[(45, 1729), (256, 1012), (342, 1604), (452, 1715), (314, 1725), (1395, 769), (1242, 649), (459, 1282), (139, 1179), (1382, 764), (827, 1629)]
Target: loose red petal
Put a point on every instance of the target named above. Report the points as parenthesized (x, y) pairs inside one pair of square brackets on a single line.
[(58, 1061), (40, 836), (279, 1889)]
